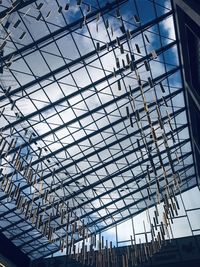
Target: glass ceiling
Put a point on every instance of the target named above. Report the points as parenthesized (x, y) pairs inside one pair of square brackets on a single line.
[(93, 119)]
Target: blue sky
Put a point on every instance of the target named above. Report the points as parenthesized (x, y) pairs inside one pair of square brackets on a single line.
[(68, 87)]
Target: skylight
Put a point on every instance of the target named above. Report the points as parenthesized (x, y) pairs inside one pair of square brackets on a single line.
[(93, 120)]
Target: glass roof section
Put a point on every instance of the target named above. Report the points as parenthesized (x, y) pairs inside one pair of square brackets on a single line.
[(93, 118)]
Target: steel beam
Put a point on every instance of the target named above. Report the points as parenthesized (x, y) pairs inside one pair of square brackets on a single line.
[(101, 149), (120, 220), (68, 28), (107, 204), (34, 140), (17, 7), (110, 191), (80, 91), (65, 147), (87, 202), (103, 179), (82, 175)]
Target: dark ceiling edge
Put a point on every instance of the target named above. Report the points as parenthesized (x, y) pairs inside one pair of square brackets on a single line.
[(12, 252), (190, 9)]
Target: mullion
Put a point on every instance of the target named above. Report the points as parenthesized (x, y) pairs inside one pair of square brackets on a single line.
[(112, 157), (12, 209), (124, 208), (45, 91), (69, 192), (137, 201), (139, 212), (75, 114), (83, 154), (41, 136), (164, 60), (158, 27), (19, 6), (80, 93), (108, 103), (175, 122), (125, 137), (30, 84), (110, 15), (45, 52), (107, 82), (76, 61), (100, 142), (121, 219), (114, 174), (89, 161), (72, 27), (107, 178), (140, 94), (184, 95), (21, 239), (55, 103), (158, 4), (130, 179), (28, 186), (32, 102), (130, 193), (36, 122)]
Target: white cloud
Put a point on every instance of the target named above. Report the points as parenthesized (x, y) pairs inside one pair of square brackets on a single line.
[(169, 27), (82, 80)]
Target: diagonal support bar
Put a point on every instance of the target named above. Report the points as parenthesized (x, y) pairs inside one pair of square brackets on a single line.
[(68, 28), (82, 90), (114, 212), (114, 189), (36, 139), (15, 8)]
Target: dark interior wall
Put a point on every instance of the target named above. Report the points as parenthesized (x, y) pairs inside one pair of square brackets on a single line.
[(12, 254), (6, 262), (187, 18), (180, 252), (61, 261)]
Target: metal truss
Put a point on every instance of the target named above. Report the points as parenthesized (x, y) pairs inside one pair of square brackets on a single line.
[(89, 112)]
